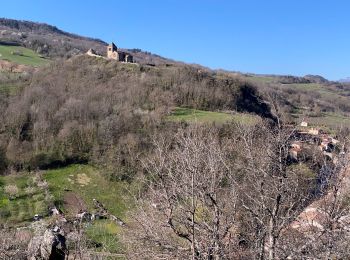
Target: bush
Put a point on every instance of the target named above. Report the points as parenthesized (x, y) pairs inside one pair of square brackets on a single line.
[(11, 190)]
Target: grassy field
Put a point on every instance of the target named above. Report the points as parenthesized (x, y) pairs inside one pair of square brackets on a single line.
[(261, 79), (308, 87), (21, 206), (21, 55), (35, 192), (328, 121), (88, 183), (316, 88), (201, 116), (106, 233)]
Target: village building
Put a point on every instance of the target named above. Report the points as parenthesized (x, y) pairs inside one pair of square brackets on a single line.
[(314, 131), (113, 53), (293, 154), (296, 145), (295, 149), (304, 124)]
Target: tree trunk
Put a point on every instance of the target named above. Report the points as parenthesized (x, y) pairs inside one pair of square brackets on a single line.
[(272, 240), (192, 220)]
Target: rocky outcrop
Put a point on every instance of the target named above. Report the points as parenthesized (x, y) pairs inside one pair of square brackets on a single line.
[(50, 245)]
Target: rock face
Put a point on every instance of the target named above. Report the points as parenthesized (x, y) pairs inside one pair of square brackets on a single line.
[(51, 245)]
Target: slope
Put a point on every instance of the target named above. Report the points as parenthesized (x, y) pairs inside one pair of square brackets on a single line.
[(52, 42), (21, 55)]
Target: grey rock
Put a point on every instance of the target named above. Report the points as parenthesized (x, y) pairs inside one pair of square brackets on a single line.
[(51, 245)]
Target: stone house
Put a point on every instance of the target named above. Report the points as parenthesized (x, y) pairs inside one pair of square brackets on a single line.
[(314, 131), (304, 124), (295, 149), (113, 53)]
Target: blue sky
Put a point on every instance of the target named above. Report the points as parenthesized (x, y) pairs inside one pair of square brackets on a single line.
[(295, 37)]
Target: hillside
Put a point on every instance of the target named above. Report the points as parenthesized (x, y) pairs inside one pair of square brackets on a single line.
[(52, 42), (324, 103), (345, 80), (310, 96), (78, 130), (103, 102), (21, 55), (160, 159), (321, 102)]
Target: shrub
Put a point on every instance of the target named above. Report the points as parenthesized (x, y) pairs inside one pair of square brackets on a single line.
[(11, 190)]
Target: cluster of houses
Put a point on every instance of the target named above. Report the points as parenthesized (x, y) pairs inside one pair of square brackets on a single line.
[(307, 136)]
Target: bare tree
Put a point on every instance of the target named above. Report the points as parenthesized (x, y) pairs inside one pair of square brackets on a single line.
[(189, 208), (324, 225), (272, 191), (13, 244)]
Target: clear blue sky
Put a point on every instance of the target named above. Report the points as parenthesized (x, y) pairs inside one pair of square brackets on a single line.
[(261, 36)]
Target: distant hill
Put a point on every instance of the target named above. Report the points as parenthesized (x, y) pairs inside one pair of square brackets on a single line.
[(345, 80), (52, 42), (322, 101), (316, 79)]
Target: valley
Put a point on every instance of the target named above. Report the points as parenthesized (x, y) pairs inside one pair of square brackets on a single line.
[(143, 157)]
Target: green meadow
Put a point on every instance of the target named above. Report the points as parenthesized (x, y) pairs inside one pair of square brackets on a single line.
[(200, 116), (21, 198), (21, 55)]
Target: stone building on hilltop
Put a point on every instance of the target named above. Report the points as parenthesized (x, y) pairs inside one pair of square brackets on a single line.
[(113, 53)]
